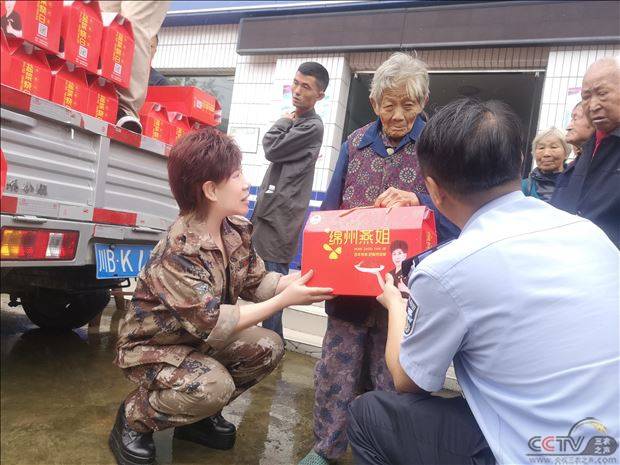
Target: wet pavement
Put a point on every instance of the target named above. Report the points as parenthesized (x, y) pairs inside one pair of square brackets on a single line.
[(60, 393)]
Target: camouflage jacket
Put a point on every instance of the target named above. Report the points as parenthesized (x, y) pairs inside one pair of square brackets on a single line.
[(182, 300)]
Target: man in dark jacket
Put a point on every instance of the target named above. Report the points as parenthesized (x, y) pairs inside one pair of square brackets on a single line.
[(591, 188), (292, 146)]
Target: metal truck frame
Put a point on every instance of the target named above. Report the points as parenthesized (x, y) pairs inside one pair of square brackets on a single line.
[(68, 171)]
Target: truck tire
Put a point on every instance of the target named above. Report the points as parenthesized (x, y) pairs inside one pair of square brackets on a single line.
[(59, 310)]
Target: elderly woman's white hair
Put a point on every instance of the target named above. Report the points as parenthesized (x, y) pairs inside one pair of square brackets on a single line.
[(555, 133), (399, 70)]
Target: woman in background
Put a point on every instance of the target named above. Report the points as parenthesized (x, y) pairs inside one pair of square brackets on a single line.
[(550, 151)]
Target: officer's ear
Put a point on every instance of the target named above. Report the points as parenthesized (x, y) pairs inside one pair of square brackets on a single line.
[(438, 195), (209, 191)]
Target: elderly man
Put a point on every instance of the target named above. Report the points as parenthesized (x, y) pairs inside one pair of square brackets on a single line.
[(377, 163), (591, 188), (537, 354)]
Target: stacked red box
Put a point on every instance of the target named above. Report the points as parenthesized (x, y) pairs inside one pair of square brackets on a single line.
[(117, 49), (196, 104), (102, 99), (350, 251), (26, 69), (69, 85), (196, 125), (5, 58), (155, 122), (179, 126), (81, 33), (37, 22)]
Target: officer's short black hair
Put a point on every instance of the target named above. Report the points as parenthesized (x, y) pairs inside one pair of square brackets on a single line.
[(316, 70), (470, 146)]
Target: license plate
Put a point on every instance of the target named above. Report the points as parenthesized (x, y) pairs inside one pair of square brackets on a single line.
[(120, 261)]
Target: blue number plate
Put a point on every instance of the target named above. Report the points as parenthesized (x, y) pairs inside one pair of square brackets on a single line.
[(120, 261)]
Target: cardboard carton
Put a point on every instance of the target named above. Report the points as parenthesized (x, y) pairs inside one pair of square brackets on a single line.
[(191, 101), (179, 126), (349, 249), (37, 22), (117, 48), (5, 58), (27, 70), (155, 123), (81, 34), (69, 85), (102, 99)]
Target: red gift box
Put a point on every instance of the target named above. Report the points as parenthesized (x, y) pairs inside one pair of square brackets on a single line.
[(102, 99), (81, 34), (349, 249), (37, 22), (117, 48), (69, 86), (179, 126), (155, 123), (27, 69), (191, 101), (197, 125), (5, 58)]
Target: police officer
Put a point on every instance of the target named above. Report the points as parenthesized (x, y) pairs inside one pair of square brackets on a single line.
[(535, 344)]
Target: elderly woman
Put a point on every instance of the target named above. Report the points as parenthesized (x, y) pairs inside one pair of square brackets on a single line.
[(550, 151), (378, 166), (185, 341)]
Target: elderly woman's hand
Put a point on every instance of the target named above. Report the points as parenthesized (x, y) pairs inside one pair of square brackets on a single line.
[(393, 197)]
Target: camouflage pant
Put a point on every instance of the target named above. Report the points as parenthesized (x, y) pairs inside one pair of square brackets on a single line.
[(353, 357), (203, 383)]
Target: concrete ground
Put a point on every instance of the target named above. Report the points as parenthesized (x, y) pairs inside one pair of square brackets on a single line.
[(60, 393)]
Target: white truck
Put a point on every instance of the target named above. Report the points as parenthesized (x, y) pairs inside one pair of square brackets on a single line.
[(84, 203)]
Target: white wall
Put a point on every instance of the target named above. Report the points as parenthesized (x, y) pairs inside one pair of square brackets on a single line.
[(251, 107), (203, 48)]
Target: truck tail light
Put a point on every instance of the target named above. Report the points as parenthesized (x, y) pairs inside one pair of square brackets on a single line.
[(38, 244)]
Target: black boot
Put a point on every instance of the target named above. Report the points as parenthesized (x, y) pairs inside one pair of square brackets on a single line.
[(128, 446), (214, 432)]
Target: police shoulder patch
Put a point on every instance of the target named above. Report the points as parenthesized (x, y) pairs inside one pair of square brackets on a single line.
[(412, 314)]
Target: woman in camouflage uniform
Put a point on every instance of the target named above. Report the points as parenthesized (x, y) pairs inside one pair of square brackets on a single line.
[(185, 341)]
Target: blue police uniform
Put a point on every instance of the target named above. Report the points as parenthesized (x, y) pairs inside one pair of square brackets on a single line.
[(526, 303)]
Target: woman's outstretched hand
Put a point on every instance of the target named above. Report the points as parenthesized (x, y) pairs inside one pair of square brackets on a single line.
[(286, 280), (297, 293)]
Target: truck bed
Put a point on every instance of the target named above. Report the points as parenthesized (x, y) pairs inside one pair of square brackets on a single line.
[(65, 167)]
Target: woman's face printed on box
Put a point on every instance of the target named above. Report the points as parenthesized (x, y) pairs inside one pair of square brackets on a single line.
[(398, 256)]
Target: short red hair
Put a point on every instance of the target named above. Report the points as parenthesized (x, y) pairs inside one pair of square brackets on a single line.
[(200, 156)]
